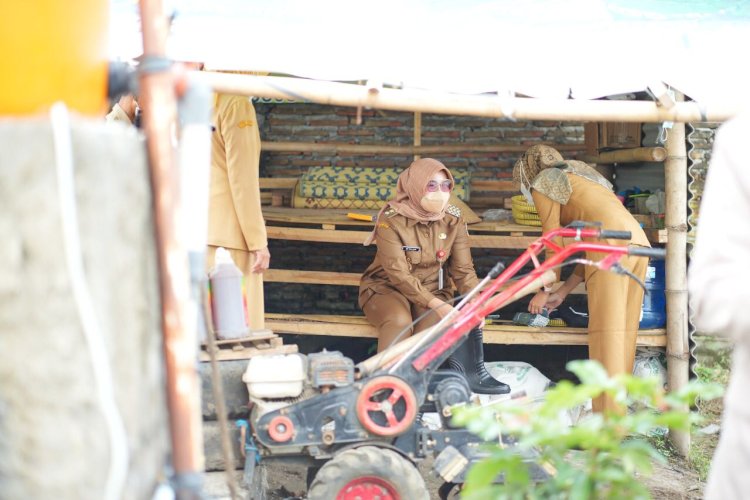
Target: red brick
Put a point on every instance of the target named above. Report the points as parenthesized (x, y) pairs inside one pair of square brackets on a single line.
[(523, 133), (442, 133), (355, 132), (305, 163), (330, 122)]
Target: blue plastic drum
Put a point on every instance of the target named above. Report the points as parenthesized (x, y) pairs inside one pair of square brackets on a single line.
[(655, 300)]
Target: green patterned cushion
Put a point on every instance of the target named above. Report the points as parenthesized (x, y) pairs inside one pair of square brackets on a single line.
[(362, 183)]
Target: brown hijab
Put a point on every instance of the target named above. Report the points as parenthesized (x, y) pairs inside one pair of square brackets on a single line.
[(410, 189)]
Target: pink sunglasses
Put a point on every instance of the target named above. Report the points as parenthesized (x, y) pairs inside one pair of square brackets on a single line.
[(444, 186)]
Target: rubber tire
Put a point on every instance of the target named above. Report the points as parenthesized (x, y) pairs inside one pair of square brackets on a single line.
[(368, 461)]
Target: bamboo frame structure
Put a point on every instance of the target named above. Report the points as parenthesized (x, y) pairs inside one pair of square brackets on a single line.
[(675, 220), (422, 101), (488, 105), (632, 155), (417, 133)]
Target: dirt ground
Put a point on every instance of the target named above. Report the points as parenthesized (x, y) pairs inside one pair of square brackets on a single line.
[(673, 481)]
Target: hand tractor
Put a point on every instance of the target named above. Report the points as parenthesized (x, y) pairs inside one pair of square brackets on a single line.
[(359, 428)]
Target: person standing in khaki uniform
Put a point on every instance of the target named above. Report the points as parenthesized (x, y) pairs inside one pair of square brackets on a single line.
[(423, 255), (566, 191), (235, 219)]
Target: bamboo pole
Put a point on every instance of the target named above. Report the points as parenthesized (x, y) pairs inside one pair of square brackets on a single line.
[(489, 105), (342, 148), (678, 354), (632, 155), (417, 133)]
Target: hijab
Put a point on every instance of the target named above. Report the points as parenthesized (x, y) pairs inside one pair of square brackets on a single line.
[(410, 189), (543, 168)]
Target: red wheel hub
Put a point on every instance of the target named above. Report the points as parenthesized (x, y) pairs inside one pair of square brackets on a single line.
[(390, 397), (368, 488)]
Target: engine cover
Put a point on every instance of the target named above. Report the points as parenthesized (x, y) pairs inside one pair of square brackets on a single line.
[(330, 369)]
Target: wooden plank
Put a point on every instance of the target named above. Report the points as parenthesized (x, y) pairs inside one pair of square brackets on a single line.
[(368, 149), (356, 326), (343, 279), (278, 182), (247, 353), (316, 235), (311, 277), (358, 237)]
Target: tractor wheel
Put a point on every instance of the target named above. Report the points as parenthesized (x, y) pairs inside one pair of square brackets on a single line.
[(368, 472)]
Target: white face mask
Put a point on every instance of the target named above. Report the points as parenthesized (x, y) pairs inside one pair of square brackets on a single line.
[(525, 191), (435, 202), (527, 194)]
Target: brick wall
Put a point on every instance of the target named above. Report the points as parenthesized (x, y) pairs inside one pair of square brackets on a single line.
[(319, 123)]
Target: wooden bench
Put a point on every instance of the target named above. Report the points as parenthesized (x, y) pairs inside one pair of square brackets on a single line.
[(333, 226)]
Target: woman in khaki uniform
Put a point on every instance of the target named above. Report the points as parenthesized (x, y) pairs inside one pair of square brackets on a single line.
[(566, 191), (423, 252)]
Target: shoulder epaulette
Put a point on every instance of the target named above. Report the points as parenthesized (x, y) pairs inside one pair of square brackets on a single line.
[(390, 212), (453, 210)]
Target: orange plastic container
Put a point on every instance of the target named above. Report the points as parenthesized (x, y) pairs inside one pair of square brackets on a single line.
[(53, 50)]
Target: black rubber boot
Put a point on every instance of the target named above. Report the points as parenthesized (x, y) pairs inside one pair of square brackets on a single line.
[(469, 360)]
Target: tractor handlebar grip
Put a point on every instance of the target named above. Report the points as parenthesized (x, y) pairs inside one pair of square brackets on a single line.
[(654, 253), (496, 270), (615, 235)]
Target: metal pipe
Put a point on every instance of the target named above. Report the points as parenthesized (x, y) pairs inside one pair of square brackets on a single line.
[(425, 101), (178, 325)]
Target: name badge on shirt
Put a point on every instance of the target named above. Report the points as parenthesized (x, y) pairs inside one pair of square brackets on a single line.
[(410, 249)]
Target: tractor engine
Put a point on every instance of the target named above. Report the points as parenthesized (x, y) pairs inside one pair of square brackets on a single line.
[(276, 381)]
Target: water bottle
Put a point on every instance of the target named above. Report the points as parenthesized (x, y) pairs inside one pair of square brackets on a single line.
[(227, 292)]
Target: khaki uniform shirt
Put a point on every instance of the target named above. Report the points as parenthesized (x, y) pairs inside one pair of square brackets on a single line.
[(407, 258), (589, 202), (235, 219)]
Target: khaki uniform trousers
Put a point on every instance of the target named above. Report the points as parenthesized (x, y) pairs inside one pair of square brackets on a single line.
[(391, 313), (253, 283), (615, 303)]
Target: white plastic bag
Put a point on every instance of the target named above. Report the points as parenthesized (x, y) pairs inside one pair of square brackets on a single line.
[(649, 362)]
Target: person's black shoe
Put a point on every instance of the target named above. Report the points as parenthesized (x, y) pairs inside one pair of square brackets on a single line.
[(469, 360)]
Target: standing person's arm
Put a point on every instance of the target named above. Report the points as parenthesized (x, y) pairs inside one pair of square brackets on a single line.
[(719, 278), (242, 142)]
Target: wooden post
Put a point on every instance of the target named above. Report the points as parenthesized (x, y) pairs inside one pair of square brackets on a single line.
[(678, 354), (417, 132)]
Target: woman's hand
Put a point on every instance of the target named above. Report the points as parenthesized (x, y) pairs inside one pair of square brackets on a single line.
[(554, 300), (539, 302), (442, 309)]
